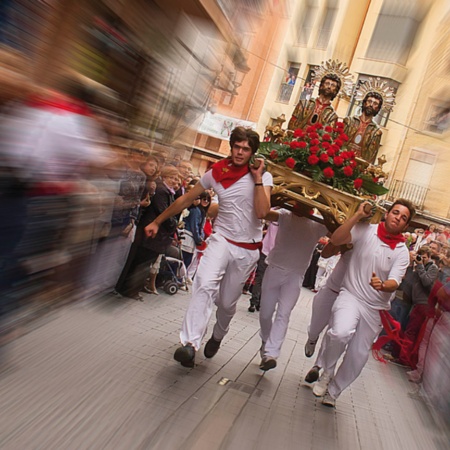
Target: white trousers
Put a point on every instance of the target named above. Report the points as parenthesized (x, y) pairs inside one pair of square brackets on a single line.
[(220, 277), (280, 291), (321, 313), (355, 325)]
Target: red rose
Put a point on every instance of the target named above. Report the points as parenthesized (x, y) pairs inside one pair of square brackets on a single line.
[(313, 160), (375, 179), (273, 154), (314, 142), (293, 145), (326, 137), (351, 154), (314, 149), (328, 172), (348, 171), (325, 145), (358, 183), (331, 152), (310, 129), (324, 157), (318, 126), (290, 162), (343, 137), (299, 133), (334, 147), (340, 125), (302, 144), (353, 163), (313, 135), (345, 156), (338, 142), (328, 129), (286, 143), (338, 161)]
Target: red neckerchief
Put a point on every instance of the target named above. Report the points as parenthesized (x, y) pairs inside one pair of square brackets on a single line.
[(226, 173), (58, 103), (387, 238)]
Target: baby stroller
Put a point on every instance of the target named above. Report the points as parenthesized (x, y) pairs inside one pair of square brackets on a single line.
[(172, 273)]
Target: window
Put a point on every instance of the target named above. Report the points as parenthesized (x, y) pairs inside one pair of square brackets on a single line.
[(306, 22), (438, 119), (354, 108), (288, 83), (395, 31), (327, 24), (308, 88), (420, 162)]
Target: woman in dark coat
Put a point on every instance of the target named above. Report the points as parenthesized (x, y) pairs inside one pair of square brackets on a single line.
[(145, 251)]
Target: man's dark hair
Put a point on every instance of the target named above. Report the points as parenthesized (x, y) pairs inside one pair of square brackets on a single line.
[(332, 77), (245, 134), (374, 95), (408, 204)]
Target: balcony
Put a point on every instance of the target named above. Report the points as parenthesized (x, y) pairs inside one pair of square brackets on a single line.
[(284, 95), (409, 191)]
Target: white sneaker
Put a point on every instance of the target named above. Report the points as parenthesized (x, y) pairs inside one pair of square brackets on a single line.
[(414, 376), (310, 347), (328, 400), (320, 388)]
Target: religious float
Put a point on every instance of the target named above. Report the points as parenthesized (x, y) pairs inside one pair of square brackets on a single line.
[(320, 166)]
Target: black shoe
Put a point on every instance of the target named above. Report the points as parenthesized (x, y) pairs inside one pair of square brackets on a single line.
[(185, 355), (312, 375), (211, 347), (251, 308), (268, 363)]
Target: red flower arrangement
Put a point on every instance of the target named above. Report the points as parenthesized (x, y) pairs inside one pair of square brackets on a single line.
[(321, 153)]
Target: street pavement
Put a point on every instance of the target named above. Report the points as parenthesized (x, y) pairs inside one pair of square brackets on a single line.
[(100, 374)]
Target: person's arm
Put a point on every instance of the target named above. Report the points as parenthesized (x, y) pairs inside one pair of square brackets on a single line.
[(272, 216), (330, 250), (261, 198), (175, 208), (383, 286), (427, 277), (213, 210), (343, 234)]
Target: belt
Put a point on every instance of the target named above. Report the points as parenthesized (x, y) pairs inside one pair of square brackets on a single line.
[(246, 245)]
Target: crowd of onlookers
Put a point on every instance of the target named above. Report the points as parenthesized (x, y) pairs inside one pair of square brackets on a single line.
[(77, 188)]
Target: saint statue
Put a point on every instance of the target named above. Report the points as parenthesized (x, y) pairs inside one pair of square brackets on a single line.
[(317, 110), (363, 132)]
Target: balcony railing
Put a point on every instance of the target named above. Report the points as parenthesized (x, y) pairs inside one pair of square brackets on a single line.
[(284, 95), (409, 191)]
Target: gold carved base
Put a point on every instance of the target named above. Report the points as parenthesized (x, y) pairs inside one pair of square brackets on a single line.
[(291, 187)]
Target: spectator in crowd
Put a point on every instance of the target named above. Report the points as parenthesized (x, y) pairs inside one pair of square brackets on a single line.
[(145, 251), (309, 280), (425, 273), (192, 233), (232, 252)]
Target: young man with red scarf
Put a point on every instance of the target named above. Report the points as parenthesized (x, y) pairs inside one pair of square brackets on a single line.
[(378, 263), (244, 199)]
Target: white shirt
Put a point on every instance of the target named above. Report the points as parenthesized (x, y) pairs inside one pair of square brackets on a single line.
[(295, 242), (236, 219), (51, 145), (370, 254)]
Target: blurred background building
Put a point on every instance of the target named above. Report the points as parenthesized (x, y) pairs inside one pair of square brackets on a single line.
[(184, 73)]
